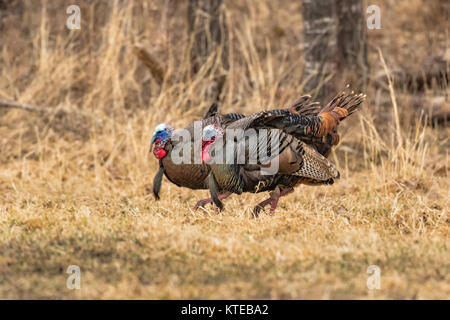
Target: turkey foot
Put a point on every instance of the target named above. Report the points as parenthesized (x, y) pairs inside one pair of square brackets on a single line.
[(201, 203), (273, 201)]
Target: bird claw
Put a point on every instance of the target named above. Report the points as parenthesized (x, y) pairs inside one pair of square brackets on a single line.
[(200, 203), (256, 210), (260, 206)]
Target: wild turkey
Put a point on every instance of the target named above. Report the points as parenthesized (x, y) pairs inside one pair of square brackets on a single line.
[(195, 175), (190, 175), (304, 142)]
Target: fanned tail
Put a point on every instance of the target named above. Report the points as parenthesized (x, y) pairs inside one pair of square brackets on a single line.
[(344, 104), (303, 119), (303, 106), (339, 108)]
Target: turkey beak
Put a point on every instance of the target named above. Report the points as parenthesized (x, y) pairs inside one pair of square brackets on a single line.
[(153, 141)]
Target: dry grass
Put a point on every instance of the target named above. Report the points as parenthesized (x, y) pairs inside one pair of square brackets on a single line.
[(67, 198)]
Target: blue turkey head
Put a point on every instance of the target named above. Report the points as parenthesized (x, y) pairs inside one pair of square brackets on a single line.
[(162, 133)]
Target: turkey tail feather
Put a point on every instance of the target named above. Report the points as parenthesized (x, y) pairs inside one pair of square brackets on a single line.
[(339, 108), (212, 111), (303, 106), (315, 165)]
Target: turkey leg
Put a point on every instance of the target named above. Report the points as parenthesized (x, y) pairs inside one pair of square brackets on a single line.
[(202, 202), (273, 201)]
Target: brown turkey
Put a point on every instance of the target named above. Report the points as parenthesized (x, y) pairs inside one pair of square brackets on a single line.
[(196, 175), (190, 173), (305, 137)]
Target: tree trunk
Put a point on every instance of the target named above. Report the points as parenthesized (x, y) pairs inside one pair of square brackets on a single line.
[(352, 43), (320, 35), (335, 47), (206, 24)]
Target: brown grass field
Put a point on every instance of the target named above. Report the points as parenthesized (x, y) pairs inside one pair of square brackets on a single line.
[(75, 189)]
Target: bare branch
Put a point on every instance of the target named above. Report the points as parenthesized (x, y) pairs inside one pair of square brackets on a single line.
[(150, 62), (22, 106), (59, 119)]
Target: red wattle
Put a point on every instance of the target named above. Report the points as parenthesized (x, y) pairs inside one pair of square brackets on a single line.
[(160, 153), (205, 151)]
